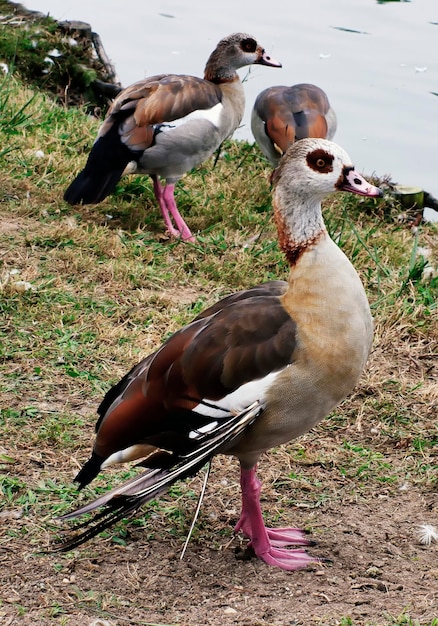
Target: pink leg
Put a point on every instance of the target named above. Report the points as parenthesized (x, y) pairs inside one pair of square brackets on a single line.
[(169, 199), (166, 200), (158, 190), (268, 543)]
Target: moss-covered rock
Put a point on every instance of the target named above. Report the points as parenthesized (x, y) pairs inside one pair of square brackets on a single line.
[(66, 59)]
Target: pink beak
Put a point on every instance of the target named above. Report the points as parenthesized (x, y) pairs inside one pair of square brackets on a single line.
[(265, 59), (355, 183)]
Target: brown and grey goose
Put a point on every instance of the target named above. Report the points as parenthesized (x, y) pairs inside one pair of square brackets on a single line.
[(255, 370), (282, 115), (167, 124)]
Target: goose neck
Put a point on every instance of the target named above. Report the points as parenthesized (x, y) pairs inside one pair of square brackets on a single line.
[(299, 223)]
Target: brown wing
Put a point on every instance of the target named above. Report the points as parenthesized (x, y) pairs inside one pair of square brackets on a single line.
[(208, 359), (271, 288), (156, 100)]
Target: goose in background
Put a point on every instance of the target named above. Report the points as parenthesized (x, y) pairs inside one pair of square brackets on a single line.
[(282, 115), (167, 124), (253, 371)]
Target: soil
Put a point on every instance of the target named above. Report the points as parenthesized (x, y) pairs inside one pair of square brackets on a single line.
[(377, 568)]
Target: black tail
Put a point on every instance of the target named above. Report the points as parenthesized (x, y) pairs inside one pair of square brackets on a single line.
[(103, 170), (123, 501), (89, 471), (92, 186)]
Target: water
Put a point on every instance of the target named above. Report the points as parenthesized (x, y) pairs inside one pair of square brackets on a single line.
[(377, 62)]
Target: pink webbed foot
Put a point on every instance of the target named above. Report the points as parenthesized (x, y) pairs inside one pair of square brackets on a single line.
[(278, 537), (269, 544), (283, 558)]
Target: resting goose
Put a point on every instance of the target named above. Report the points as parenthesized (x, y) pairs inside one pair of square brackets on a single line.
[(255, 370), (167, 124), (282, 115)]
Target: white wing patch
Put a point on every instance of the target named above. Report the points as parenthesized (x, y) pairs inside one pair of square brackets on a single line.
[(202, 430), (238, 400), (213, 115)]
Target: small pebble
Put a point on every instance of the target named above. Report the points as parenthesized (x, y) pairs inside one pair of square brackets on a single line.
[(230, 611)]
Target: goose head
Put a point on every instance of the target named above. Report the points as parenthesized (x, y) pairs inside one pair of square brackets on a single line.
[(316, 167), (309, 171), (235, 51)]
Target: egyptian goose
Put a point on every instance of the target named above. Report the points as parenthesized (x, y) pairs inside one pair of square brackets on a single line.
[(167, 124), (255, 370), (282, 115)]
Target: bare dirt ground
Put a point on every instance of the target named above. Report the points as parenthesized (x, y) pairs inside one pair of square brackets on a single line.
[(378, 568)]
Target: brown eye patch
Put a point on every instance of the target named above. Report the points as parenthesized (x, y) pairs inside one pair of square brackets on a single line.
[(320, 161), (249, 45)]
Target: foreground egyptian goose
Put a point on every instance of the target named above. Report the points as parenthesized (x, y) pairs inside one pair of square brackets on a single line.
[(167, 124), (282, 115), (255, 370)]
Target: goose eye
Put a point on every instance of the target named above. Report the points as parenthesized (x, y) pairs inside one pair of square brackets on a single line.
[(320, 160), (249, 45)]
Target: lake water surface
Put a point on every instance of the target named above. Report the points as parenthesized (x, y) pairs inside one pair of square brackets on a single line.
[(378, 62)]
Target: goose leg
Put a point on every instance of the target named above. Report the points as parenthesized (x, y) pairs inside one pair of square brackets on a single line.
[(166, 200), (269, 543), (169, 199), (159, 194)]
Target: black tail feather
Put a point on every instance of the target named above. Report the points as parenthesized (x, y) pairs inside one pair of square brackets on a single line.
[(118, 508), (106, 162), (91, 186), (125, 500), (89, 471), (102, 520)]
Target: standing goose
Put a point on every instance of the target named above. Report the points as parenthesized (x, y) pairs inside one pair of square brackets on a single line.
[(255, 370), (282, 115), (167, 124)]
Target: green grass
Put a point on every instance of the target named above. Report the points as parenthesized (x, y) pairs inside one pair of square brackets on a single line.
[(401, 620), (83, 296), (101, 293)]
